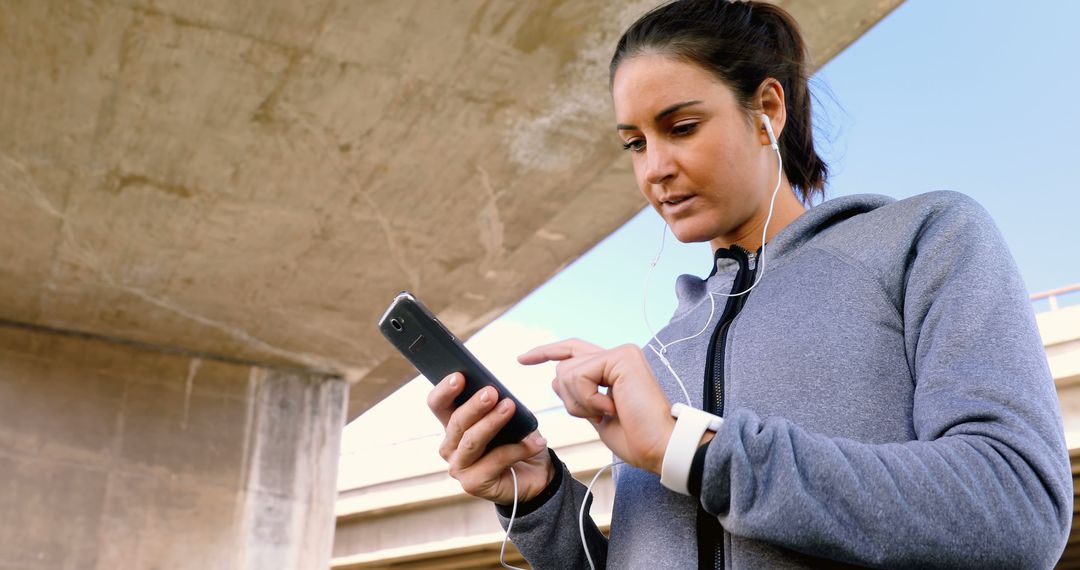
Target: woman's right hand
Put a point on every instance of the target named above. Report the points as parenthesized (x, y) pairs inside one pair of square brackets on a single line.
[(470, 427)]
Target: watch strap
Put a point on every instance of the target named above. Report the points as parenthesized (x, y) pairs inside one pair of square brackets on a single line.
[(690, 425)]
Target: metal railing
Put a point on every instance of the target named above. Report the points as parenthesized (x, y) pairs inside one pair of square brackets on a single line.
[(1052, 295)]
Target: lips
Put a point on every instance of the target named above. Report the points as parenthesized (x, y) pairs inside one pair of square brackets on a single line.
[(676, 200)]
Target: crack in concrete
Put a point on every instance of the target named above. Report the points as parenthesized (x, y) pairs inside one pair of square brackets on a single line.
[(37, 196), (319, 331), (312, 360), (91, 261), (329, 148), (42, 201), (189, 384), (545, 234), (264, 113), (182, 22), (240, 507), (489, 221), (123, 181)]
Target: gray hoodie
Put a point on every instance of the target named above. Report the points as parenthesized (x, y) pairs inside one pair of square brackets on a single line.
[(887, 403)]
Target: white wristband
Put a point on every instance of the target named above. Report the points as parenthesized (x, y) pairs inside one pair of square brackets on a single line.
[(692, 423)]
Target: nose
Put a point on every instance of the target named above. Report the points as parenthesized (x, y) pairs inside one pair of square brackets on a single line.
[(659, 163)]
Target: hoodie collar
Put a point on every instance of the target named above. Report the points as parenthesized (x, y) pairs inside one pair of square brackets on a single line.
[(809, 224)]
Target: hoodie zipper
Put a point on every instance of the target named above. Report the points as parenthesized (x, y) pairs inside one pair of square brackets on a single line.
[(710, 532)]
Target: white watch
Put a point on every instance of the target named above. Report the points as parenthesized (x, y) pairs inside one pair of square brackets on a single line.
[(690, 425)]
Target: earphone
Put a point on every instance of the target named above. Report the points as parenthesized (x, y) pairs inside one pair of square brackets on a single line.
[(663, 347), (662, 352), (768, 129)]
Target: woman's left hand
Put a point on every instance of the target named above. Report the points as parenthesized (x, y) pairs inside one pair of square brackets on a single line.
[(634, 418)]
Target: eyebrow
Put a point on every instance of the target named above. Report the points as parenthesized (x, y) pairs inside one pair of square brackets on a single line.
[(659, 116)]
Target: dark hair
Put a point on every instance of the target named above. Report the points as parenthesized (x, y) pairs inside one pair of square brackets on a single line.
[(742, 44)]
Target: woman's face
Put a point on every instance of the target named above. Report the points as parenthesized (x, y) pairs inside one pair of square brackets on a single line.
[(697, 158)]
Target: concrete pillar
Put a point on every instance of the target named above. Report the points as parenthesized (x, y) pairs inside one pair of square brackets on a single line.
[(117, 456)]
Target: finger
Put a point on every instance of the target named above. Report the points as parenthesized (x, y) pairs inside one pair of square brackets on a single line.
[(595, 405), (562, 387), (569, 403), (572, 400), (589, 406), (486, 472), (561, 350), (602, 403), (441, 398), (580, 383), (495, 462), (465, 417), (475, 439), (507, 455)]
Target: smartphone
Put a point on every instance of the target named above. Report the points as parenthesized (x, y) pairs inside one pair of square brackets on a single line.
[(437, 353)]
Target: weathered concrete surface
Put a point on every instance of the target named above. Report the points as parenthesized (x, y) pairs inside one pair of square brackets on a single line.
[(119, 458), (255, 179), (292, 470)]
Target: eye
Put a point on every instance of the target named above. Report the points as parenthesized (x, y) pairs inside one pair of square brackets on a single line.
[(683, 129), (634, 145)]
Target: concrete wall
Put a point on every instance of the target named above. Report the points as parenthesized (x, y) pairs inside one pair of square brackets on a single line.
[(116, 457)]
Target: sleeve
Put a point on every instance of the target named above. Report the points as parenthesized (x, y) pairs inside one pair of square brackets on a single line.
[(986, 484), (546, 529)]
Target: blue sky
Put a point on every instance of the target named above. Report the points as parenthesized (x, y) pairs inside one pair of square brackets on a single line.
[(976, 97)]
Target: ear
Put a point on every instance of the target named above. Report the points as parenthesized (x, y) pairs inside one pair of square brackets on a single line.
[(771, 102)]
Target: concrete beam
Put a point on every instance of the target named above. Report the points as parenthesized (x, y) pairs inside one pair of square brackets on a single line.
[(253, 180)]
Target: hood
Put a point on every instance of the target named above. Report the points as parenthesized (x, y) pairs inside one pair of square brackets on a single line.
[(691, 289)]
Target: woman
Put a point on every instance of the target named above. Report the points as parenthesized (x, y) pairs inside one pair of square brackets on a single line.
[(885, 397)]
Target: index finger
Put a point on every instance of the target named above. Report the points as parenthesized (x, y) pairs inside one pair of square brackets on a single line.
[(441, 398), (562, 350)]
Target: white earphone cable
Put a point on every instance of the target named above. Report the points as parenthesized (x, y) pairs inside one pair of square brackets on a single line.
[(712, 296), (648, 278), (765, 230), (581, 513), (581, 517), (510, 525)]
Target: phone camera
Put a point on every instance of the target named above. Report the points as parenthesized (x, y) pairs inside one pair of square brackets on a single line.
[(396, 324)]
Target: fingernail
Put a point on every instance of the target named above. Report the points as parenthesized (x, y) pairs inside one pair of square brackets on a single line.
[(453, 381), (504, 406), (485, 396), (539, 439)]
